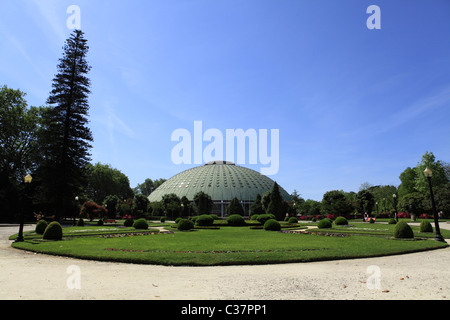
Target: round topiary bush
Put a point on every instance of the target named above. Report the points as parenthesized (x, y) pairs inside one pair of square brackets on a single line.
[(100, 222), (272, 225), (185, 224), (140, 224), (324, 224), (204, 220), (163, 219), (341, 221), (178, 220), (425, 226), (53, 231), (403, 231), (80, 222), (392, 221), (128, 222), (293, 220), (236, 220), (40, 226), (262, 218)]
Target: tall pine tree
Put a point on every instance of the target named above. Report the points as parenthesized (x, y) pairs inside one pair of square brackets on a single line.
[(66, 143)]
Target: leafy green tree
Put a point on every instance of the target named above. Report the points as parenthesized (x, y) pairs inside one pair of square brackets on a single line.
[(366, 201), (148, 186), (66, 142), (140, 204), (172, 205), (408, 182), (235, 207), (186, 206), (439, 172), (203, 203), (20, 128), (110, 203), (335, 202), (103, 180)]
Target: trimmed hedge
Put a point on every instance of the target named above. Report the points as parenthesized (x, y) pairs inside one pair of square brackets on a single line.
[(204, 220), (341, 221), (425, 226), (272, 225), (236, 220), (40, 226), (53, 231), (324, 224), (185, 224), (140, 224), (403, 231)]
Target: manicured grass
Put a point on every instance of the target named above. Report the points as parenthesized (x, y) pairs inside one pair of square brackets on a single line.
[(224, 246)]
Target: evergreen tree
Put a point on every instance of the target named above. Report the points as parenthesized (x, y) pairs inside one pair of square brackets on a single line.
[(276, 203), (235, 207), (257, 207), (66, 142)]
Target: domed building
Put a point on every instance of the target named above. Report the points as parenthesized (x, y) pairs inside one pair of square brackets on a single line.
[(222, 181)]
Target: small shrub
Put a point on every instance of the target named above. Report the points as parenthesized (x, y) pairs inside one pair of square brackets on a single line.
[(272, 225), (371, 220), (254, 217), (177, 220), (341, 221), (204, 220), (128, 222), (215, 216), (236, 220), (194, 219), (324, 224), (163, 219), (262, 218), (100, 222), (403, 231), (185, 224), (80, 222), (392, 221), (53, 231), (293, 220), (40, 226), (140, 224), (425, 226)]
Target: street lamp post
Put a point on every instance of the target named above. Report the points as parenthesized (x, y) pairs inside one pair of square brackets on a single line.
[(428, 173), (395, 206), (20, 238)]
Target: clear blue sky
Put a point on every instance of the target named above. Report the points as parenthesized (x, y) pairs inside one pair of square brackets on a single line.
[(352, 105)]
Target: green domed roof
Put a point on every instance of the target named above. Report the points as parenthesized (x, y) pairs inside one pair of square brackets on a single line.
[(222, 180)]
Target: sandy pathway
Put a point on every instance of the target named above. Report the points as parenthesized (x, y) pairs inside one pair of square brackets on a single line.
[(25, 275)]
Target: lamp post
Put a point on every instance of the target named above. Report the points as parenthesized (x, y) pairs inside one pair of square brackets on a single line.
[(428, 174), (395, 206), (20, 238)]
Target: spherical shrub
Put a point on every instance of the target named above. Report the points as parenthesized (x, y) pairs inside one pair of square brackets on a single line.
[(293, 220), (185, 224), (236, 220), (262, 218), (80, 222), (53, 231), (204, 220), (100, 222), (341, 221), (403, 231), (371, 220), (163, 219), (128, 222), (40, 226), (272, 225), (324, 224), (392, 221), (254, 217), (425, 226), (177, 220), (140, 224)]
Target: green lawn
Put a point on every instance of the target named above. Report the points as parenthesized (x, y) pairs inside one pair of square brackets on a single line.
[(225, 246)]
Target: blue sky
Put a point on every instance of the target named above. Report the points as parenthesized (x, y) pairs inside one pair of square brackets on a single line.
[(352, 105)]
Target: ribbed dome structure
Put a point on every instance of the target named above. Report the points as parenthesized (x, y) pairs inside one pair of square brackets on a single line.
[(222, 180)]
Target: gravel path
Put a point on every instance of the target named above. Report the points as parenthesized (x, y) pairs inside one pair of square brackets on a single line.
[(25, 275)]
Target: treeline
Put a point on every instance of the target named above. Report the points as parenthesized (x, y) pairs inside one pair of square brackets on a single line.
[(411, 197)]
